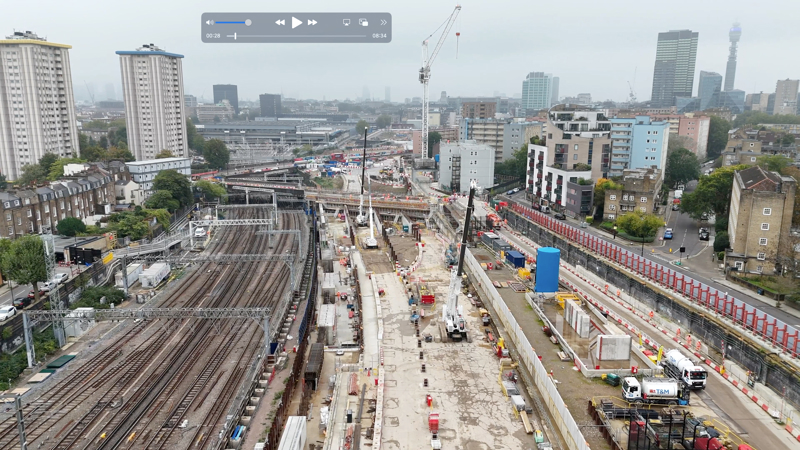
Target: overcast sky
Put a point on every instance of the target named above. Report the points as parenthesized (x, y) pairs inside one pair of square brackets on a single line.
[(593, 46)]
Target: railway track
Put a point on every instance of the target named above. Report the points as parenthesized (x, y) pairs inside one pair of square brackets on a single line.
[(175, 366)]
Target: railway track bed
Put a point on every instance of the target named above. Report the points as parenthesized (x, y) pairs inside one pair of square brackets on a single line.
[(164, 383)]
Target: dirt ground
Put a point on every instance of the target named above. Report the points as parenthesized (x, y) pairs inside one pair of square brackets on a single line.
[(575, 389)]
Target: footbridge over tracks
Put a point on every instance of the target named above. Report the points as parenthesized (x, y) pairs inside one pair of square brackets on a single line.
[(416, 207), (281, 188), (161, 245)]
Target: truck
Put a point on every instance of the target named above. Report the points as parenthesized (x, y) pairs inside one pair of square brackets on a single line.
[(662, 391), (678, 194), (679, 366)]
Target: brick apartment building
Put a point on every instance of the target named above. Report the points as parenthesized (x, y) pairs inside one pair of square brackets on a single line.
[(759, 221), (640, 190)]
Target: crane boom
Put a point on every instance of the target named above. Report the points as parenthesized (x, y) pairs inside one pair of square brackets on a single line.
[(425, 75), (452, 314)]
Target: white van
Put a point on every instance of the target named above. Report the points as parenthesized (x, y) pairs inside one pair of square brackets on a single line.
[(200, 232)]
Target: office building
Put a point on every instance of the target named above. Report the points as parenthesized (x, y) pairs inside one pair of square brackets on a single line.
[(638, 143), (37, 108), (221, 112), (365, 94), (227, 92), (786, 97), (673, 75), (517, 134), (461, 163), (759, 221), (478, 110), (189, 101), (640, 192), (387, 95), (578, 146), (584, 99), (708, 89), (270, 105), (730, 70), (155, 116), (537, 92), (732, 100), (757, 102), (485, 131), (554, 97), (143, 172)]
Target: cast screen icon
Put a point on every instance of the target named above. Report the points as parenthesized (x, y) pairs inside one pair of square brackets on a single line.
[(346, 22), (363, 22)]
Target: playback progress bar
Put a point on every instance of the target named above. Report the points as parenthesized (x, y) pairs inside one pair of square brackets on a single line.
[(358, 27)]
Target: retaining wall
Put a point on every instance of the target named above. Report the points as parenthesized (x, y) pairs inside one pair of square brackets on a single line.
[(558, 409), (705, 319)]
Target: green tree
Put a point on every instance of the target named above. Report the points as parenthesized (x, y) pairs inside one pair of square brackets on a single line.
[(434, 138), (712, 194), (3, 182), (57, 168), (94, 153), (216, 154), (757, 117), (32, 174), (165, 154), (639, 224), (361, 126), (600, 193), (211, 190), (717, 136), (383, 121), (47, 160), (103, 142), (721, 241), (83, 142), (118, 137), (119, 153), (176, 184), (682, 167), (775, 163), (70, 226), (162, 200), (24, 262), (516, 165), (676, 142), (787, 140)]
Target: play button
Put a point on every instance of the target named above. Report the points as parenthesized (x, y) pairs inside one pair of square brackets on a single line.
[(296, 23)]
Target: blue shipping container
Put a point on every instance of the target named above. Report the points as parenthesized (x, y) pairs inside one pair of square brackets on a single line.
[(547, 269), (516, 259)]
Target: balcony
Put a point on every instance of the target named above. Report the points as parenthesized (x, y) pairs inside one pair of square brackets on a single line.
[(620, 159), (618, 135)]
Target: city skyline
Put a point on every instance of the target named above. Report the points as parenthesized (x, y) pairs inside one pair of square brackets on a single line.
[(497, 51)]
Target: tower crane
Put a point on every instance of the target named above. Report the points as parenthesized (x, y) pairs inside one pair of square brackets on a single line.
[(452, 314), (425, 74)]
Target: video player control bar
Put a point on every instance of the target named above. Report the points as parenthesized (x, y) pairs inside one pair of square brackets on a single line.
[(357, 27)]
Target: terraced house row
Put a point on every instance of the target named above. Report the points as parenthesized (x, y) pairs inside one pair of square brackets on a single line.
[(35, 211)]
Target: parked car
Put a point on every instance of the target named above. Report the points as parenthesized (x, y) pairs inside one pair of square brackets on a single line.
[(200, 232), (703, 234), (704, 216), (60, 278), (21, 302), (536, 206), (510, 192), (668, 233), (560, 216), (7, 312), (48, 286), (42, 293), (675, 206)]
